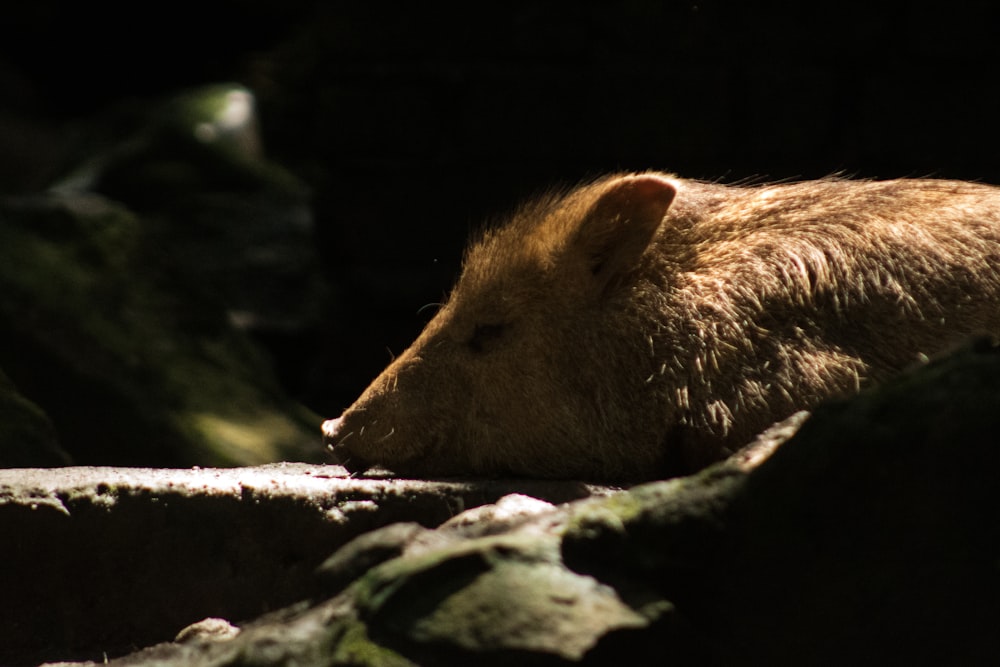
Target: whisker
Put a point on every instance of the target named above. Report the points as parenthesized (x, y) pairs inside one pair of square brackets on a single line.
[(428, 305)]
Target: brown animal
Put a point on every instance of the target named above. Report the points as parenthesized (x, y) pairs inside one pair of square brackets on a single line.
[(643, 325)]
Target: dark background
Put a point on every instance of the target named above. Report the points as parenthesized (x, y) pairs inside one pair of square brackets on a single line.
[(413, 123)]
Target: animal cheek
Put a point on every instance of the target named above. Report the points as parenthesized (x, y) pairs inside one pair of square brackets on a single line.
[(404, 423)]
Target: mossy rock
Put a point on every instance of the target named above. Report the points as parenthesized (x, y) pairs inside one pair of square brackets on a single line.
[(127, 292), (27, 437), (133, 368)]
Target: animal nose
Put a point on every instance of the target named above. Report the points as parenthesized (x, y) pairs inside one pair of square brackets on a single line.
[(330, 429), (334, 441)]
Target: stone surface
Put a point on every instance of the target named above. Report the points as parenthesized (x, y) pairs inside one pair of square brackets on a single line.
[(104, 559), (207, 630), (869, 537)]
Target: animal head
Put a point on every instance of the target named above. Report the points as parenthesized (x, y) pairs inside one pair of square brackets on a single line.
[(537, 363)]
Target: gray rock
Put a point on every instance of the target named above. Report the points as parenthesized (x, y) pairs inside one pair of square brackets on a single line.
[(108, 559), (868, 537), (207, 630)]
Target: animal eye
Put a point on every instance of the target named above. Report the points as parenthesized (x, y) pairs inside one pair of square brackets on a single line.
[(485, 335)]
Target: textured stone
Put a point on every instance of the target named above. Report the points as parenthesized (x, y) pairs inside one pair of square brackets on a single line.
[(89, 548)]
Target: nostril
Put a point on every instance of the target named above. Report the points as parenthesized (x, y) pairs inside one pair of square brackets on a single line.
[(331, 427)]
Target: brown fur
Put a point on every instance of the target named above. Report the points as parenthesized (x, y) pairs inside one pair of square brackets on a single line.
[(644, 325)]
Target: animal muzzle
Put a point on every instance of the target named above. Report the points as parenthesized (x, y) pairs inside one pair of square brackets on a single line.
[(334, 439), (330, 429)]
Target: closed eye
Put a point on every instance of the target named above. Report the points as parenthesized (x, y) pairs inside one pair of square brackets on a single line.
[(484, 336)]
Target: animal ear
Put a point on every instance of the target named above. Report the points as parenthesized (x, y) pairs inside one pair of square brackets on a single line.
[(620, 225)]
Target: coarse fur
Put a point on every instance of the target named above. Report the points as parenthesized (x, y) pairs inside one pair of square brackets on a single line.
[(644, 325)]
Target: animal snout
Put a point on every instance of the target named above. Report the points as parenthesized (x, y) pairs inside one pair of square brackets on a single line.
[(330, 429), (333, 438)]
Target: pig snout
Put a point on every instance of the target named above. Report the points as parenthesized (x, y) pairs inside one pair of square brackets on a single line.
[(334, 438), (330, 428)]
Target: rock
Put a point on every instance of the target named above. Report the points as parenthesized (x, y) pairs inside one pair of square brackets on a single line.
[(27, 437), (871, 536), (365, 552), (207, 630), (761, 447), (107, 559), (491, 597), (231, 225), (868, 537), (149, 373), (501, 516)]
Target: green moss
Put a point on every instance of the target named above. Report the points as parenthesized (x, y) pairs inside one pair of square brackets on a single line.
[(354, 647), (614, 514), (507, 592)]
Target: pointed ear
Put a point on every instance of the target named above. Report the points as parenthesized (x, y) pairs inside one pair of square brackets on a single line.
[(620, 225)]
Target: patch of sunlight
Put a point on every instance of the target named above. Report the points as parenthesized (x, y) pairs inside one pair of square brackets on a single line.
[(227, 115), (246, 440)]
